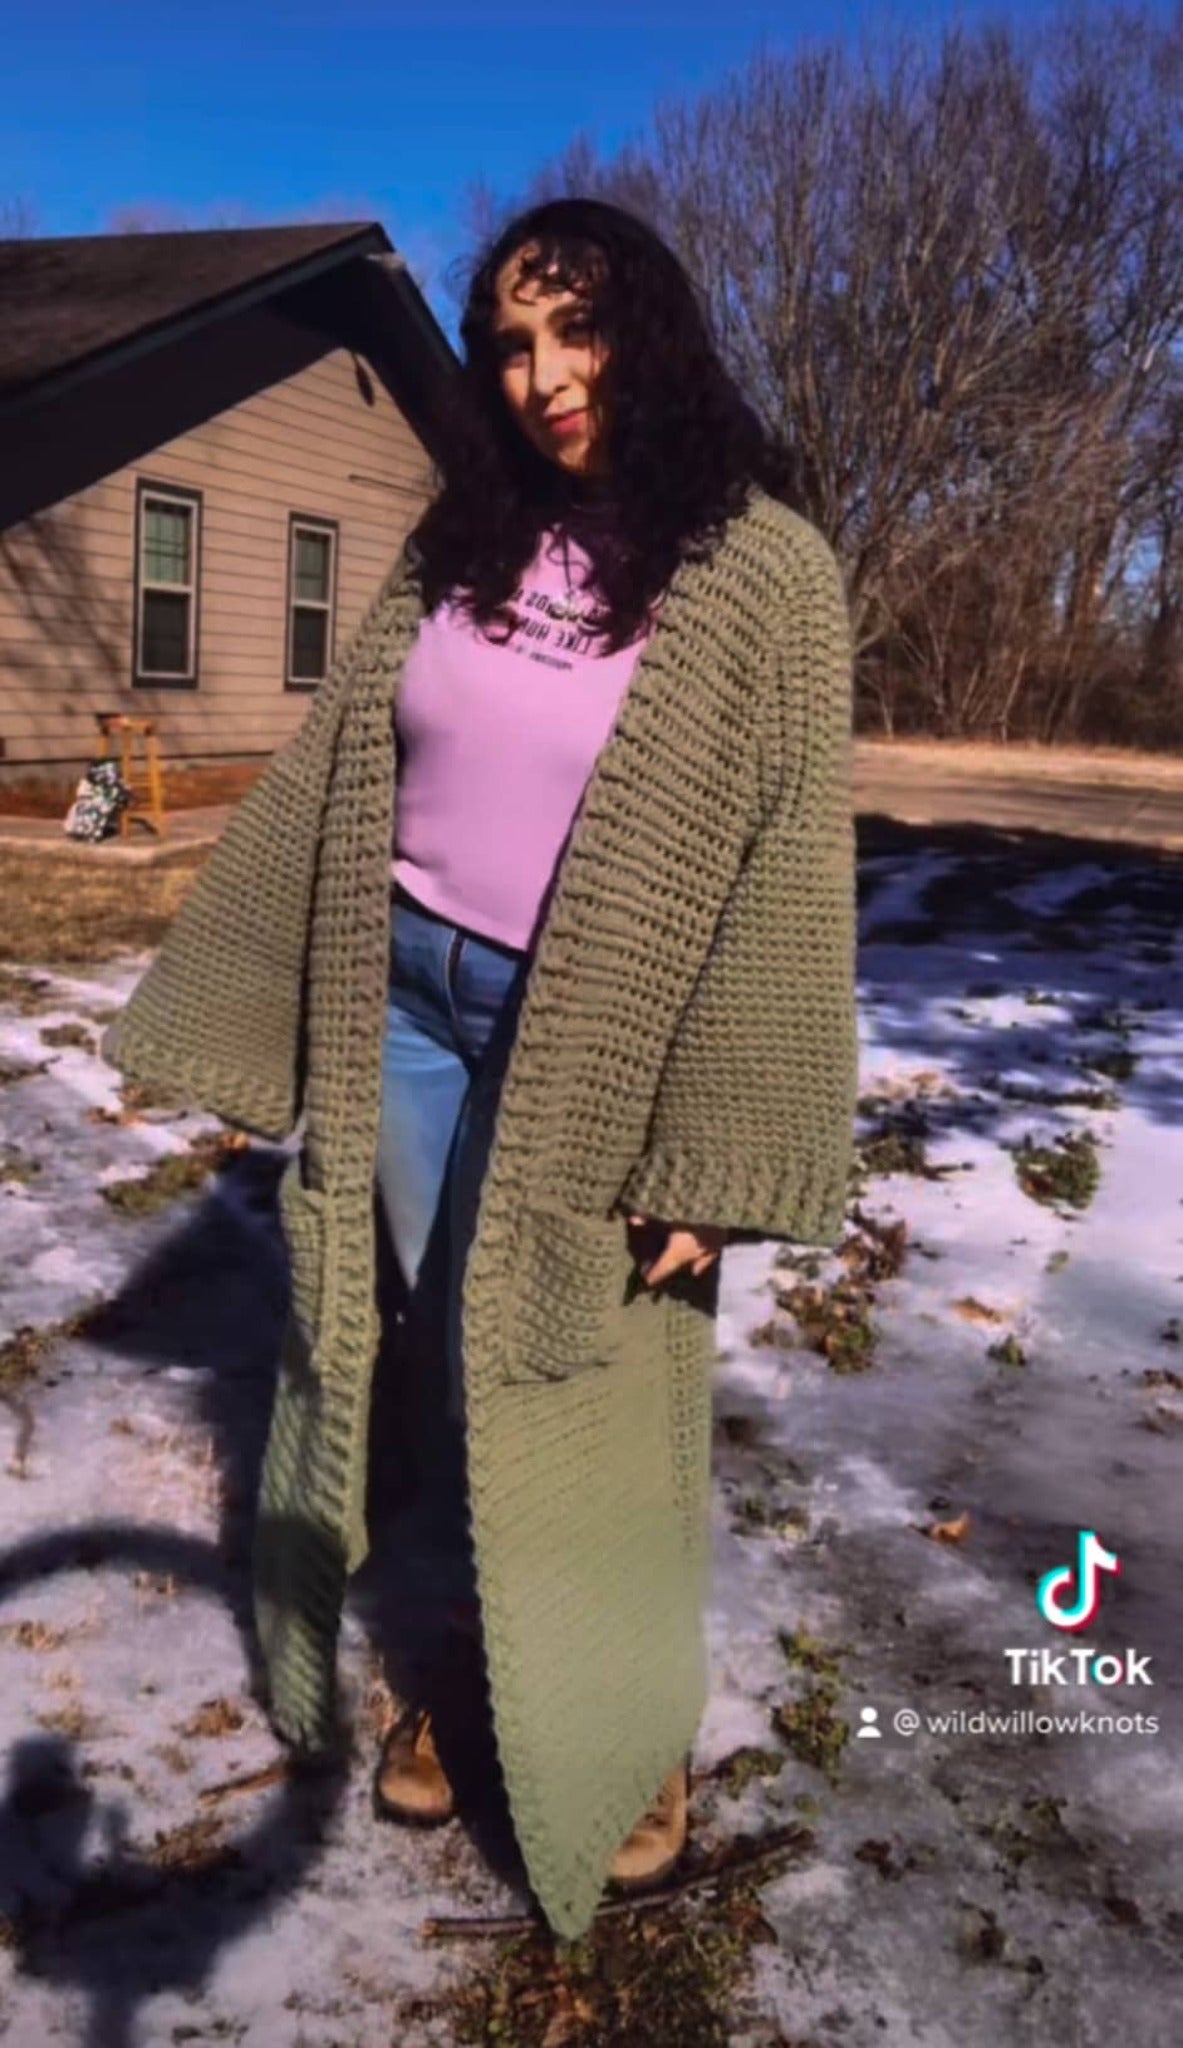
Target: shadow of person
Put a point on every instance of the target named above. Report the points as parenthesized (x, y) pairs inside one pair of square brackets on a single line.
[(107, 1917)]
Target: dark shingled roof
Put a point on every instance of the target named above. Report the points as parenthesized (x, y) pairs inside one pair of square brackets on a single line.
[(66, 300)]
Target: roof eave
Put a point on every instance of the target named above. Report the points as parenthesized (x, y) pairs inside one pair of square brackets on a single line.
[(371, 240)]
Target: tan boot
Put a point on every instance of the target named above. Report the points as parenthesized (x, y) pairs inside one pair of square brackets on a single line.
[(650, 1852), (411, 1783)]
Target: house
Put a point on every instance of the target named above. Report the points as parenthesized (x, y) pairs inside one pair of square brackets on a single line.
[(212, 445)]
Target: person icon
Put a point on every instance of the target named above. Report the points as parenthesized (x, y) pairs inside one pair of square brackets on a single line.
[(870, 1730)]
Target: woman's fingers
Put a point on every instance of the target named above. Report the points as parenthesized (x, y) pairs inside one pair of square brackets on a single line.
[(682, 1248)]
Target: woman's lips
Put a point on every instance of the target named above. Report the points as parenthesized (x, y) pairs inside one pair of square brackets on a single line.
[(568, 422)]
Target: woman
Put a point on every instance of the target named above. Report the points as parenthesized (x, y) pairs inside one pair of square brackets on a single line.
[(544, 922)]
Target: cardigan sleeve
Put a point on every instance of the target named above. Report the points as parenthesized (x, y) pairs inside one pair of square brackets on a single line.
[(219, 1014), (752, 1127)]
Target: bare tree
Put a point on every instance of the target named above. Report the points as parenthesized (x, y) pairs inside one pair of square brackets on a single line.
[(952, 279)]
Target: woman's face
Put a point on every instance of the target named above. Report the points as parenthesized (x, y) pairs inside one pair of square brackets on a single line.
[(550, 362)]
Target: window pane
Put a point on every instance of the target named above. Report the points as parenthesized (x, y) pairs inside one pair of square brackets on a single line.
[(310, 642), (167, 531), (310, 579), (165, 647)]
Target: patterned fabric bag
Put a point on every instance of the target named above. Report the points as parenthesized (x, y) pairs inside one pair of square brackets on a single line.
[(100, 797)]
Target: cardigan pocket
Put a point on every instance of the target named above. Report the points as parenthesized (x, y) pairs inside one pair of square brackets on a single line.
[(306, 1217), (570, 1283)]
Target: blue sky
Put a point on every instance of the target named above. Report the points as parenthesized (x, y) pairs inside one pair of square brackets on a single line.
[(365, 111)]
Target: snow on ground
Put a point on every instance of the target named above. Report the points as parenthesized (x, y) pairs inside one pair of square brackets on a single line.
[(961, 1888)]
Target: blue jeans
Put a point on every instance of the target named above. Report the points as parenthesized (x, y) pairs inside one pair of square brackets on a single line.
[(451, 1011)]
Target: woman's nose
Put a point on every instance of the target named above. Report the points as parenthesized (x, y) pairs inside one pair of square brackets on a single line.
[(550, 373)]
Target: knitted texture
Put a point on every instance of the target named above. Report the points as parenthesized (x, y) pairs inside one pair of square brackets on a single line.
[(686, 1045)]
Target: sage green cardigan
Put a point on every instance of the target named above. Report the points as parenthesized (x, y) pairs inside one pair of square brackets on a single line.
[(686, 1047)]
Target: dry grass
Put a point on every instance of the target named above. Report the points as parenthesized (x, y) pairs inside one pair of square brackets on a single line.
[(31, 1345), (191, 1846), (74, 1721), (1124, 765), (173, 1757), (185, 789), (214, 1718), (27, 994), (34, 1635), (60, 916), (155, 1585)]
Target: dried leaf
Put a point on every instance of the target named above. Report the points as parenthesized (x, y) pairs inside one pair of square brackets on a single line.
[(566, 2022), (976, 1311)]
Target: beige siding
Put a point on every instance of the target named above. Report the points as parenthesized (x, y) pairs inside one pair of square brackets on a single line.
[(327, 442)]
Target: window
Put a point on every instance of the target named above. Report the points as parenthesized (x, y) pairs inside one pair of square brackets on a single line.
[(168, 537), (312, 577)]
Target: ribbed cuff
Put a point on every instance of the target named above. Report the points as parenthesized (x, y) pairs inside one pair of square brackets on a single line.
[(803, 1201)]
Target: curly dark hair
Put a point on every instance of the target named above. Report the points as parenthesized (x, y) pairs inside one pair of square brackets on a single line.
[(684, 447)]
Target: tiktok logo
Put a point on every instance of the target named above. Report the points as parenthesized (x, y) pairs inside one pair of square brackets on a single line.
[(1055, 1587)]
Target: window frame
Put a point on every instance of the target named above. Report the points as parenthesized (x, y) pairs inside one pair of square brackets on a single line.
[(193, 502), (310, 522)]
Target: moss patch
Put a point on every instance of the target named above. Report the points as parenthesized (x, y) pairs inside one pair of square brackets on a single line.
[(892, 1149), (774, 1335), (69, 1034), (1008, 1351), (813, 1730), (1083, 1097), (843, 1332), (23, 1354), (177, 1174), (805, 1652), (808, 1723), (1119, 1063), (835, 1320), (898, 1143), (656, 1980), (1066, 1171), (737, 1771), (26, 993), (29, 1349), (20, 1070), (15, 1166)]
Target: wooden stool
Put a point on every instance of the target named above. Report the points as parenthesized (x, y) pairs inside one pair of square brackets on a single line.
[(145, 784)]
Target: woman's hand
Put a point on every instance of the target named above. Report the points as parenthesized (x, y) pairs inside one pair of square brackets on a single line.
[(687, 1244)]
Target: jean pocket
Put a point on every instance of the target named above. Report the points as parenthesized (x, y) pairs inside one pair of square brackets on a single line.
[(570, 1283)]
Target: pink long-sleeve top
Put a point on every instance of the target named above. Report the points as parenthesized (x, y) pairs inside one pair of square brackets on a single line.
[(496, 742)]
